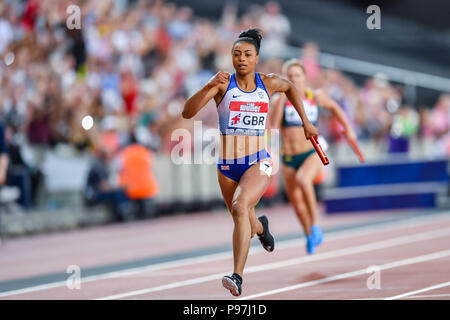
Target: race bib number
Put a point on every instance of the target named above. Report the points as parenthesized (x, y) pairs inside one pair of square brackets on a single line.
[(248, 115)]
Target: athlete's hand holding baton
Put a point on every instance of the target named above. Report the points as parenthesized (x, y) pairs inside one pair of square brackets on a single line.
[(311, 133), (319, 151)]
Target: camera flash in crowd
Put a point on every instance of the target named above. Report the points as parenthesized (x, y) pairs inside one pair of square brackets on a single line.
[(87, 123), (9, 58)]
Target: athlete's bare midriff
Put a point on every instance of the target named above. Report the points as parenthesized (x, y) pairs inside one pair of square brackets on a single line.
[(238, 146), (294, 141)]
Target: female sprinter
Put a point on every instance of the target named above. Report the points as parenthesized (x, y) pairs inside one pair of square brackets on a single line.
[(244, 166), (300, 162)]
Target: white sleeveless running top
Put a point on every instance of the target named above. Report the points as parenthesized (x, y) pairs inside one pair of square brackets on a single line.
[(241, 112)]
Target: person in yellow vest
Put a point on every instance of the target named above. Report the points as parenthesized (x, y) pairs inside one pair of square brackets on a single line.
[(136, 176)]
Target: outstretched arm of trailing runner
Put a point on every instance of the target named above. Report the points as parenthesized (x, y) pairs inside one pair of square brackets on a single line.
[(325, 101)]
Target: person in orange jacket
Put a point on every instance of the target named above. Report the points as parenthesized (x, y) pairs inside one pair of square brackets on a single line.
[(136, 176)]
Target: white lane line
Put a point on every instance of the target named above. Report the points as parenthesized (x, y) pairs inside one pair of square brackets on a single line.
[(122, 273), (394, 264), (334, 235), (429, 296), (406, 294), (286, 263)]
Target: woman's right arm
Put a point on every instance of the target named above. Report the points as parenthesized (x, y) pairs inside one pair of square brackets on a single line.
[(195, 103)]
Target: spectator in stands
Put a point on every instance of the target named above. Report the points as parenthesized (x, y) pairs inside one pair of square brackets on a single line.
[(3, 155), (21, 175), (129, 90), (440, 116), (310, 59), (405, 124), (136, 177), (276, 28), (7, 194), (440, 123), (6, 30), (100, 190)]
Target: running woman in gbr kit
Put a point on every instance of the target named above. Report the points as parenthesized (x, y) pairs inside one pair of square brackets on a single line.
[(244, 166)]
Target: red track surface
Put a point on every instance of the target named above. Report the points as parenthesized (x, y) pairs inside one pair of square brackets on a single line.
[(413, 254)]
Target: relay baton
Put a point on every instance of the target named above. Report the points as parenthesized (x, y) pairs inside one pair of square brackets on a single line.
[(356, 149), (319, 151)]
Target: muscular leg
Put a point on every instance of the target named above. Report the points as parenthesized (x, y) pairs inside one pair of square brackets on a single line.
[(246, 196), (295, 196), (305, 178), (228, 187)]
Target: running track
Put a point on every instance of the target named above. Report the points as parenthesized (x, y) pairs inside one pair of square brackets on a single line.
[(185, 256)]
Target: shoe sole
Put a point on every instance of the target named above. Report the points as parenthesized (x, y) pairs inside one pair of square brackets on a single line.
[(268, 249), (230, 285)]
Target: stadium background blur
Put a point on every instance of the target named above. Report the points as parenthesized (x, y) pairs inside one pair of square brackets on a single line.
[(132, 64)]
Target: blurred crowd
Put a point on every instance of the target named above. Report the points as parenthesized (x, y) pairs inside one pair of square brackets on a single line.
[(131, 64)]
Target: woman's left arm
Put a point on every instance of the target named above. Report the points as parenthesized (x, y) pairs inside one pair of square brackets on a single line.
[(274, 83)]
